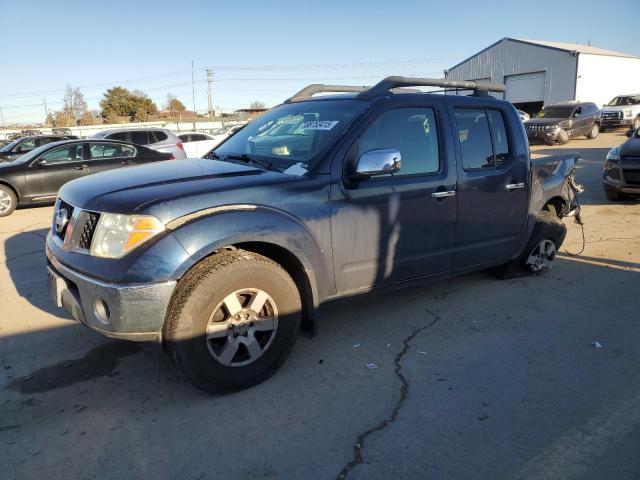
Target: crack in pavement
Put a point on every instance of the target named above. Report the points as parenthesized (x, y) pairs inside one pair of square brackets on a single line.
[(404, 392)]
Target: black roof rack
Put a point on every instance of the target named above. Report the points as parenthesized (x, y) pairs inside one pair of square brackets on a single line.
[(400, 83), (389, 83), (310, 90)]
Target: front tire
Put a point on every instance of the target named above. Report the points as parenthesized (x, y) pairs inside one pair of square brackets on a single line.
[(8, 201), (233, 321), (614, 195), (593, 133), (563, 137)]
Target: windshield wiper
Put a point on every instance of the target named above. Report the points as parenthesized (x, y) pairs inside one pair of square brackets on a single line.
[(246, 158)]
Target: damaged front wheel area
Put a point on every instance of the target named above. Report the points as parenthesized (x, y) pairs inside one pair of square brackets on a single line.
[(541, 257), (539, 254)]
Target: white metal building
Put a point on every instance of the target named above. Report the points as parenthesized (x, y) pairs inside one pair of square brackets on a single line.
[(538, 73)]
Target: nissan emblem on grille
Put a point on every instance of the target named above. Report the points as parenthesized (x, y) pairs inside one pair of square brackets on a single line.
[(62, 218)]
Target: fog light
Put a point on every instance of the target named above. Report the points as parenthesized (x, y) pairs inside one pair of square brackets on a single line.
[(101, 311)]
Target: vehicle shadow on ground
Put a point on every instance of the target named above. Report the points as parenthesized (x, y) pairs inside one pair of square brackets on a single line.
[(26, 265)]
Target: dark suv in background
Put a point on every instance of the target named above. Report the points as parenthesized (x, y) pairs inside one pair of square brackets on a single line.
[(562, 121), (621, 172), (23, 145)]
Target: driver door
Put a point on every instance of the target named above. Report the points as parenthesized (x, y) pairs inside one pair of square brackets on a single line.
[(394, 227), (55, 168)]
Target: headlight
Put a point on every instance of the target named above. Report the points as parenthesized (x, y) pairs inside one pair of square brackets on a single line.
[(628, 113), (116, 235), (613, 155)]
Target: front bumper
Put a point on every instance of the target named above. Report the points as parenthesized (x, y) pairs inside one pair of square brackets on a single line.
[(621, 187), (131, 312), (543, 135), (616, 122)]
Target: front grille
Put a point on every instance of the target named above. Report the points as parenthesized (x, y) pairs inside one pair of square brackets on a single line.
[(536, 128), (62, 205), (88, 229), (632, 176), (611, 115)]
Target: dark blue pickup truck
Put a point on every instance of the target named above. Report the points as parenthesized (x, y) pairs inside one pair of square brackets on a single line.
[(225, 259)]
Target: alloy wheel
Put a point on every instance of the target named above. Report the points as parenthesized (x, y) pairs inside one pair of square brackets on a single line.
[(5, 201), (542, 256), (242, 327)]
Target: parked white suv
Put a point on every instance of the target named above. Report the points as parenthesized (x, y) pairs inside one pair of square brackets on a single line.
[(196, 144), (622, 111), (159, 139)]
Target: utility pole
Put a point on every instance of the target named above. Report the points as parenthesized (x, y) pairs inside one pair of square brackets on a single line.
[(1, 117), (193, 95), (209, 84), (46, 112)]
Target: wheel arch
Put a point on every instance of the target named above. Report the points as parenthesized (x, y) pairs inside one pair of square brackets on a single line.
[(13, 189), (277, 237), (558, 203), (296, 269)]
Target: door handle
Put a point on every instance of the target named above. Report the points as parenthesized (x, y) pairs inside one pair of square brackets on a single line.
[(80, 167), (514, 186), (448, 193)]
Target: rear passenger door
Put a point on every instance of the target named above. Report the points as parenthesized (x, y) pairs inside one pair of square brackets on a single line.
[(493, 185), (107, 156)]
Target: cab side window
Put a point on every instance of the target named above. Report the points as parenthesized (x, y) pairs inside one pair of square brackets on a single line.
[(26, 146), (68, 153), (411, 131), (108, 150), (484, 143)]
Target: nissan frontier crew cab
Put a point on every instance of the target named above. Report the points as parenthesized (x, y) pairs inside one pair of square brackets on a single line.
[(225, 259)]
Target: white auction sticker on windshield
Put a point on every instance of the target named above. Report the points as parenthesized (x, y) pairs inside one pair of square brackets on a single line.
[(319, 124)]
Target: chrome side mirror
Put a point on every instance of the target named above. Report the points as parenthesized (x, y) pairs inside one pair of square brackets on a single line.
[(378, 162)]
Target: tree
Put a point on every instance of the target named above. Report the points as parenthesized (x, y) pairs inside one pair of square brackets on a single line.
[(256, 105), (120, 102), (63, 119), (174, 105), (49, 120), (86, 119), (74, 104)]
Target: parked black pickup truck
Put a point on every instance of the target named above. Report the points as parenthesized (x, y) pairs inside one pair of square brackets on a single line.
[(223, 259)]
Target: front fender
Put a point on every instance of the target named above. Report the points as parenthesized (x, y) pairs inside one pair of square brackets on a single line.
[(203, 235)]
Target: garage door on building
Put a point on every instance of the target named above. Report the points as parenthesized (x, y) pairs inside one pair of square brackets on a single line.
[(525, 88)]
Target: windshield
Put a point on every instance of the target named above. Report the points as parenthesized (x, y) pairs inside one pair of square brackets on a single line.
[(624, 100), (9, 146), (294, 133), (555, 112)]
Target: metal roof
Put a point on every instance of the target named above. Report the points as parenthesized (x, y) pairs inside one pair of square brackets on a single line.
[(565, 47), (574, 47)]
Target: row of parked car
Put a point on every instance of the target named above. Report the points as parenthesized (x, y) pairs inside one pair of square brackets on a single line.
[(560, 122), (33, 168)]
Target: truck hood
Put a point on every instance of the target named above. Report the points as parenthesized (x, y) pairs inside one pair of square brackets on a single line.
[(630, 148), (620, 108), (128, 190)]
